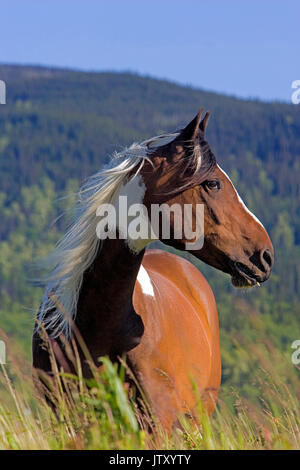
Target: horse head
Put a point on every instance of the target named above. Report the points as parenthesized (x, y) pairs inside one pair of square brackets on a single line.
[(184, 171)]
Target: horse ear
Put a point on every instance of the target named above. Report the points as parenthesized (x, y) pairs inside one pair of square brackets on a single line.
[(190, 133), (187, 141), (204, 122)]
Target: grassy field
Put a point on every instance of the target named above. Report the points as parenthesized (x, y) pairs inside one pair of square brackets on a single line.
[(98, 414)]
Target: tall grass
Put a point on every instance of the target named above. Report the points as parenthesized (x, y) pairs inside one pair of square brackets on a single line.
[(99, 413)]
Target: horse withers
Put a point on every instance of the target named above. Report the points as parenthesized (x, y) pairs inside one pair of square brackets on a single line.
[(152, 305)]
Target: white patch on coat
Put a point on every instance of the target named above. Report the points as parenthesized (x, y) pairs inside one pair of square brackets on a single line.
[(240, 199), (144, 280)]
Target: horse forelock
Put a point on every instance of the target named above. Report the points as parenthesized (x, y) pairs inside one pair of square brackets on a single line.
[(192, 169)]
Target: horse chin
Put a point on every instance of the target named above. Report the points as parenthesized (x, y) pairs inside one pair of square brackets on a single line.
[(243, 277), (243, 283)]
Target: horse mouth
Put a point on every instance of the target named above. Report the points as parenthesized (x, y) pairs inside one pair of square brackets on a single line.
[(244, 276)]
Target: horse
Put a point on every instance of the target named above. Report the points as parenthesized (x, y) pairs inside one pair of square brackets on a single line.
[(150, 305)]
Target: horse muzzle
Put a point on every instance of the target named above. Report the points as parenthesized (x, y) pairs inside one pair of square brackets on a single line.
[(254, 272)]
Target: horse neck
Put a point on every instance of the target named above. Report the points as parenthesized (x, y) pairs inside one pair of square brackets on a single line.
[(105, 312)]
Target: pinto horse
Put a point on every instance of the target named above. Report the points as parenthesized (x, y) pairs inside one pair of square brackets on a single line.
[(152, 305)]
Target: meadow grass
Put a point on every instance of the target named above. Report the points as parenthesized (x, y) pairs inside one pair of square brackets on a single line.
[(99, 413)]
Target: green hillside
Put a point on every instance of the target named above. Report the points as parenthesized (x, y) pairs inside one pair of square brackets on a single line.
[(59, 126)]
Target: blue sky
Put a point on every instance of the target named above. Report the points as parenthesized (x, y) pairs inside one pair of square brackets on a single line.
[(240, 47)]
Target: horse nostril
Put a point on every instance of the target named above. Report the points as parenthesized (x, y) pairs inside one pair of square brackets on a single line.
[(266, 259)]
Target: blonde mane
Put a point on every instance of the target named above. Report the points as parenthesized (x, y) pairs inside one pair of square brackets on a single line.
[(77, 250)]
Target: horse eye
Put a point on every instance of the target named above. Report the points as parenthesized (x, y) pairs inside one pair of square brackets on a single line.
[(213, 184)]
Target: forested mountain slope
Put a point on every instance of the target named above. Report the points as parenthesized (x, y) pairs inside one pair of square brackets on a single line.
[(59, 126)]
